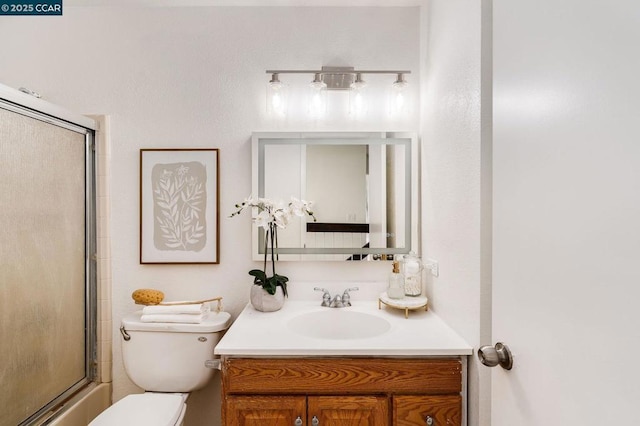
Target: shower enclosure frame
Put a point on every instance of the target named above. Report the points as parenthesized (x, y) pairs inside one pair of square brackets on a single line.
[(17, 102)]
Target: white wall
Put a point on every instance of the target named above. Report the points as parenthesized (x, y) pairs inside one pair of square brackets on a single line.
[(195, 77), (454, 176)]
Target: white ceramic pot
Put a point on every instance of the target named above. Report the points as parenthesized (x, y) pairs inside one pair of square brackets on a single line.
[(262, 301)]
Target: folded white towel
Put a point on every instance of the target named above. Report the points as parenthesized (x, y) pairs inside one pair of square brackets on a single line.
[(192, 309), (177, 318)]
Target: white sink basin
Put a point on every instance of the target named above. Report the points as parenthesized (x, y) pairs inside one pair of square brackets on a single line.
[(336, 323)]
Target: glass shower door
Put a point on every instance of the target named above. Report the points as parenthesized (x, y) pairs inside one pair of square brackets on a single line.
[(46, 238)]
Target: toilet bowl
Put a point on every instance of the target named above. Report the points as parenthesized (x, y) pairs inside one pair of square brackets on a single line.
[(167, 360)]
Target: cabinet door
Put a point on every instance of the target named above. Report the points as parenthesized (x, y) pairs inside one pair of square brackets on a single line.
[(415, 410), (348, 410), (265, 410)]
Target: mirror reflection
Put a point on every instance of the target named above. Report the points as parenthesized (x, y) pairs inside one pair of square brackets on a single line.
[(361, 187)]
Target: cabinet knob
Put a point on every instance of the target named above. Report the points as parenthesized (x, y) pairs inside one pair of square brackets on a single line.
[(429, 421), (298, 422), (315, 421)]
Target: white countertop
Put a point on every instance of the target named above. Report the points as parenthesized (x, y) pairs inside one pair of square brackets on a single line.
[(270, 334)]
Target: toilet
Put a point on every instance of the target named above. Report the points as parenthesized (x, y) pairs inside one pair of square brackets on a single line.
[(167, 360)]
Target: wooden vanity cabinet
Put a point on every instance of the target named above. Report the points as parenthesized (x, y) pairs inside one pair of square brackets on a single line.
[(342, 391), (285, 410), (347, 410), (264, 410), (410, 410)]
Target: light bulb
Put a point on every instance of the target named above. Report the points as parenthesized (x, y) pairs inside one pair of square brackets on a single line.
[(276, 97), (357, 97), (317, 97), (276, 101), (398, 101)]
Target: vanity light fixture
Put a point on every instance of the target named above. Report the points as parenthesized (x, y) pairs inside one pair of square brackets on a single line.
[(336, 78)]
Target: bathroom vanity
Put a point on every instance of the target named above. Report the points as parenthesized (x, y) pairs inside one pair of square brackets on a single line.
[(365, 391), (361, 365)]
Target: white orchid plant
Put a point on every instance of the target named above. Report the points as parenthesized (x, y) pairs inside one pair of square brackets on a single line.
[(271, 215)]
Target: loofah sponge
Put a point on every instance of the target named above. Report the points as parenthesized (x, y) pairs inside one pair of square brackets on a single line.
[(147, 296)]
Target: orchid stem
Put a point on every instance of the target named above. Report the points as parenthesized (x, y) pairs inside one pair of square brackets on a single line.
[(266, 248), (273, 259)]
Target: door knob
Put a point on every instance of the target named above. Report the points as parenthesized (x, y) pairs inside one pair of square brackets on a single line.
[(496, 355)]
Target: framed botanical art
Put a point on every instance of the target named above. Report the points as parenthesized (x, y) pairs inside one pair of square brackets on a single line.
[(179, 206)]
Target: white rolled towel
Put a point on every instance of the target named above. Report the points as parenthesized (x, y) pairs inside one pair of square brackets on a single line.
[(176, 318), (192, 309)]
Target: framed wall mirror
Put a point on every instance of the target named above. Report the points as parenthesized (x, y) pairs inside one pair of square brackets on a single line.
[(363, 186)]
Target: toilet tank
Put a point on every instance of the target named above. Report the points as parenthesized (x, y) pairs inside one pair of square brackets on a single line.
[(170, 357)]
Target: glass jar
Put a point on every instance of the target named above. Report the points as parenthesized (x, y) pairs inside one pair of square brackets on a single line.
[(412, 271)]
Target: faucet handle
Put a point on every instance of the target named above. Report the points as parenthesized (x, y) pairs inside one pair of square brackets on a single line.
[(346, 297), (326, 296)]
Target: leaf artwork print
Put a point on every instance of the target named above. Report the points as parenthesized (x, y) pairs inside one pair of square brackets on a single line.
[(179, 206)]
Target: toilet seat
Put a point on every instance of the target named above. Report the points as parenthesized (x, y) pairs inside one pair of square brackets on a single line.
[(146, 409)]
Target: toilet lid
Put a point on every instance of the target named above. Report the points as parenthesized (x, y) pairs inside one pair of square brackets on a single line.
[(147, 409)]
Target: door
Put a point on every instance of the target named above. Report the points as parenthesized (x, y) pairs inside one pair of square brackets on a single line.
[(566, 212), (429, 410), (265, 410), (348, 411), (47, 277)]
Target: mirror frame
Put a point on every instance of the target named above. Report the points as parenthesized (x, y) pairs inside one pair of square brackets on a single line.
[(412, 182)]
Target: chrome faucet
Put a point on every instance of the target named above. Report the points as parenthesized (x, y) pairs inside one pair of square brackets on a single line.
[(337, 301)]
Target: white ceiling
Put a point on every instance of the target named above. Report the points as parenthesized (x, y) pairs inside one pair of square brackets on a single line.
[(187, 3)]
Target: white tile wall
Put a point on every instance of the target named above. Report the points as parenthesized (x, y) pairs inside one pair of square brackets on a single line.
[(105, 325)]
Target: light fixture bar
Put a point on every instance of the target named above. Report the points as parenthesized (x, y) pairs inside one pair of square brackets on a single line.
[(352, 72), (337, 78)]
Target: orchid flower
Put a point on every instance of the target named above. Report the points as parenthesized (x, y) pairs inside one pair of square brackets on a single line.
[(271, 215)]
